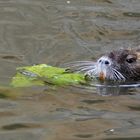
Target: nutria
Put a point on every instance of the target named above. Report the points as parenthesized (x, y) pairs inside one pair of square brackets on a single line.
[(117, 65)]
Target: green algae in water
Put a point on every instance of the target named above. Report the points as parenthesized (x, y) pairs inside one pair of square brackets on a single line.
[(84, 135), (131, 14), (14, 126), (44, 74), (20, 126), (135, 108), (87, 101)]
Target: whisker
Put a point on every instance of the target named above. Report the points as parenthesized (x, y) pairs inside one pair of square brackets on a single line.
[(82, 69), (80, 66), (87, 68), (78, 63), (91, 72), (118, 75)]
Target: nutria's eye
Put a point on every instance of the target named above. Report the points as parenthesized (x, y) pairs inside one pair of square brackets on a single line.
[(131, 60)]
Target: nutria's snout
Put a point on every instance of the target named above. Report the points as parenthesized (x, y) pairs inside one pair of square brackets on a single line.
[(105, 70), (102, 67), (118, 65)]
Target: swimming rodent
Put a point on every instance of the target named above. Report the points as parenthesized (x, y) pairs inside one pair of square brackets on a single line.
[(117, 65)]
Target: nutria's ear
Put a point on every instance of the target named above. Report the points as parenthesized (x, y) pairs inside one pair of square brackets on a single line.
[(111, 55)]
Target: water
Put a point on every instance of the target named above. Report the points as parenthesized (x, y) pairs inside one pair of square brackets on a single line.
[(57, 32)]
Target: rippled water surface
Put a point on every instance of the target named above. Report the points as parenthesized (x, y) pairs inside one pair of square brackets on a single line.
[(56, 32)]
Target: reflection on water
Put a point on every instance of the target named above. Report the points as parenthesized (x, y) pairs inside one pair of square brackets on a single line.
[(117, 89), (56, 32)]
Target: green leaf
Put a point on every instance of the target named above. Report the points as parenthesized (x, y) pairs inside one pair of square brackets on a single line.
[(44, 74)]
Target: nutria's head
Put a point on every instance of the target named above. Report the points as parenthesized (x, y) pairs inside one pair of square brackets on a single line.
[(118, 65)]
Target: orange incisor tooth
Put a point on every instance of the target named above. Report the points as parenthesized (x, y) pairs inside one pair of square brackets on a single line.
[(102, 76)]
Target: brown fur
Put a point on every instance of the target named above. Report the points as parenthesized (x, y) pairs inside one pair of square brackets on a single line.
[(127, 62)]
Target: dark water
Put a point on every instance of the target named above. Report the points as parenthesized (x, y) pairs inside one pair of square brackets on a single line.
[(55, 32)]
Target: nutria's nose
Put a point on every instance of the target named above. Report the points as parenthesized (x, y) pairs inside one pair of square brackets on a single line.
[(106, 62), (102, 61)]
